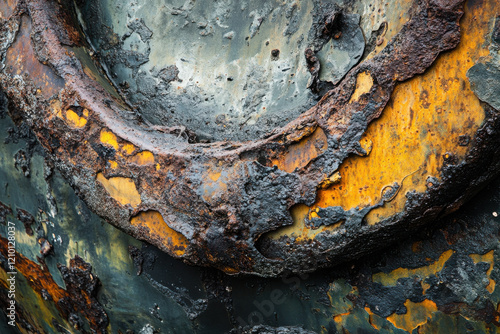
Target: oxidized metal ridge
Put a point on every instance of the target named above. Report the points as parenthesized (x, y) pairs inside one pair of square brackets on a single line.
[(212, 204)]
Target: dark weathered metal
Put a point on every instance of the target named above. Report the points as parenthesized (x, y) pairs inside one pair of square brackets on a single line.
[(209, 203)]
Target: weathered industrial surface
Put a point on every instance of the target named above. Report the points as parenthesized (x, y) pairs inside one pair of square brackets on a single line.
[(283, 138), (393, 144)]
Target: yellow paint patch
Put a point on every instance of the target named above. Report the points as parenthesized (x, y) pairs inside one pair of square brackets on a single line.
[(488, 258), (158, 166), (390, 279), (156, 228), (70, 117), (301, 153), (364, 83), (113, 164), (417, 314), (142, 158), (76, 121), (122, 189), (128, 149), (298, 212), (109, 138)]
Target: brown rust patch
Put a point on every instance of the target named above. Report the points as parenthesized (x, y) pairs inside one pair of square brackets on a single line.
[(20, 59), (7, 7), (300, 154)]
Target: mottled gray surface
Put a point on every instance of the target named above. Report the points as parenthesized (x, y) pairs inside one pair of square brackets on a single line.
[(485, 82), (484, 76), (339, 55), (210, 66)]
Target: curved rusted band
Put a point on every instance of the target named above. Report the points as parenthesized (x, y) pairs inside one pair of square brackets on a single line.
[(205, 203)]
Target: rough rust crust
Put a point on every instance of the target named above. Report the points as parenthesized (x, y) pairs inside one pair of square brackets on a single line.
[(216, 199)]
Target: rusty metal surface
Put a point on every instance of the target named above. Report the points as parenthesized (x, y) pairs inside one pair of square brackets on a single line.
[(211, 204), (441, 280)]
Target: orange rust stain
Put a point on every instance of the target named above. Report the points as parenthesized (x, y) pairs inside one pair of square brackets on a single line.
[(339, 317), (491, 286), (421, 123), (229, 270), (390, 279), (20, 59), (425, 287), (488, 258), (364, 83), (122, 189), (214, 176), (417, 314), (40, 278), (300, 154), (109, 138), (155, 227)]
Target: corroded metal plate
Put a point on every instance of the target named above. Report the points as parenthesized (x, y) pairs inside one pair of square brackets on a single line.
[(401, 139)]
